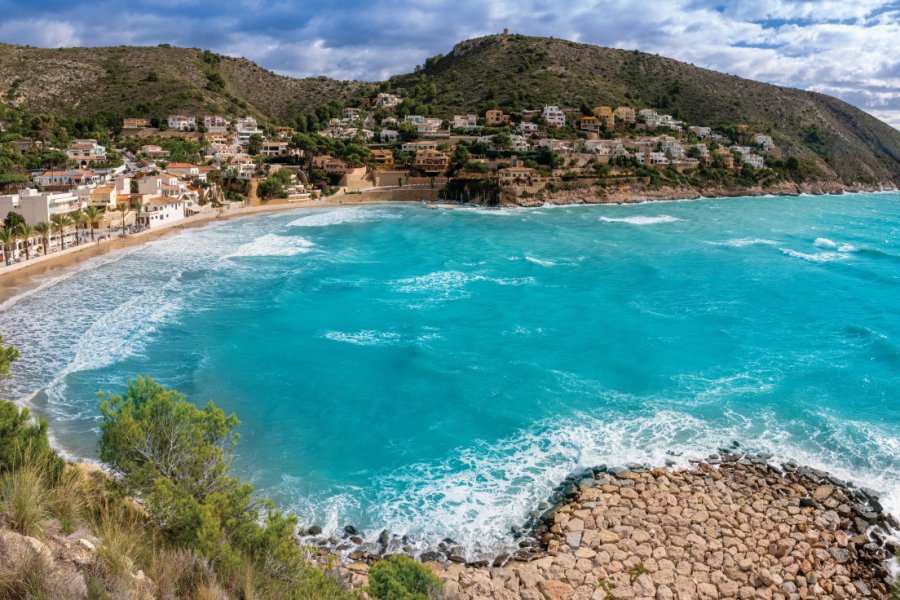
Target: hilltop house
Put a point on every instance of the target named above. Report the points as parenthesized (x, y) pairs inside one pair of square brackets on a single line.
[(215, 124), (624, 114), (519, 143), (431, 161), (154, 151), (553, 116), (589, 123), (700, 132), (181, 122), (765, 141), (650, 118), (412, 147), (86, 152), (389, 135), (754, 160), (387, 101), (66, 179), (184, 170), (382, 157), (495, 118), (517, 176), (284, 133), (526, 128), (136, 124), (464, 122), (329, 164), (275, 149), (245, 128), (605, 114)]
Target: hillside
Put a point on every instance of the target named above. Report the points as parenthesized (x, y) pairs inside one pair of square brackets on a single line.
[(514, 72), (155, 81), (511, 72)]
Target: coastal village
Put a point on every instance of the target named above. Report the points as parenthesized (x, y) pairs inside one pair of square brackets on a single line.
[(155, 172)]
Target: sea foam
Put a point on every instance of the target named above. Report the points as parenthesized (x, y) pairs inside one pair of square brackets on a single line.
[(641, 220), (337, 217), (273, 244)]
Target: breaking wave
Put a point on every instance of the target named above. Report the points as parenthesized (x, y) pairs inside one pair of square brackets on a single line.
[(641, 220)]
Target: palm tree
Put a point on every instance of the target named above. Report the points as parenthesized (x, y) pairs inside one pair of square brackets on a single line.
[(80, 220), (25, 232), (59, 222), (122, 207), (7, 239), (93, 216), (73, 219), (42, 228)]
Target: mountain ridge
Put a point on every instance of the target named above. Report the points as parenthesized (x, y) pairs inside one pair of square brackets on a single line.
[(512, 72)]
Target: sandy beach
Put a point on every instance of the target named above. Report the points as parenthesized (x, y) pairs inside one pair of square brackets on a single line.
[(21, 277)]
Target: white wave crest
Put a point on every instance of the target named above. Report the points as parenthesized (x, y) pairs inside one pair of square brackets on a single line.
[(366, 337), (480, 492), (538, 261), (819, 257), (273, 244), (451, 283), (832, 245), (742, 242), (337, 217), (118, 334), (641, 220)]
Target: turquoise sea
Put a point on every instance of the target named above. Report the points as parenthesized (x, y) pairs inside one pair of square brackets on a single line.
[(438, 372)]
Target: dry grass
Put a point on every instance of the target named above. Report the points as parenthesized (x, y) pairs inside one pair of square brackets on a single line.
[(27, 580), (68, 500), (26, 499), (123, 548), (179, 572)]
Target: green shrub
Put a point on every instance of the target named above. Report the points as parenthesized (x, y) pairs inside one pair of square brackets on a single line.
[(176, 459), (400, 577), (24, 497)]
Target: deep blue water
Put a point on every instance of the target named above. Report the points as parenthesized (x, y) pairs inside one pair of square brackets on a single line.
[(438, 372)]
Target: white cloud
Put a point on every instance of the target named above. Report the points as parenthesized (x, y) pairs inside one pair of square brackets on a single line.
[(849, 49), (48, 33)]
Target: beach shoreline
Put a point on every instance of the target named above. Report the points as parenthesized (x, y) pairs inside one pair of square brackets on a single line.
[(20, 278)]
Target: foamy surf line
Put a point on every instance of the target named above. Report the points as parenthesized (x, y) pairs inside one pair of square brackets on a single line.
[(273, 244), (641, 220), (480, 495)]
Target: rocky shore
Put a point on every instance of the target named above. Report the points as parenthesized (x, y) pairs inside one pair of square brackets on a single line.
[(633, 193), (733, 526)]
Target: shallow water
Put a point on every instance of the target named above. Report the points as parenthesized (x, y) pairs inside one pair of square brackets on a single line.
[(438, 372)]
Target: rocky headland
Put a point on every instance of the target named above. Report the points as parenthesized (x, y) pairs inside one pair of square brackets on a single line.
[(628, 193), (733, 526)]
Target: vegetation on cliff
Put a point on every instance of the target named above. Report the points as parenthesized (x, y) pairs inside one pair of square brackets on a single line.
[(91, 89), (843, 140)]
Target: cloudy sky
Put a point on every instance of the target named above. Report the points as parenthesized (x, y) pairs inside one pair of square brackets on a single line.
[(850, 49)]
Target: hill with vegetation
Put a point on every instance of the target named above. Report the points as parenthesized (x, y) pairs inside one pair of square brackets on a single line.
[(517, 72), (155, 81), (512, 72)]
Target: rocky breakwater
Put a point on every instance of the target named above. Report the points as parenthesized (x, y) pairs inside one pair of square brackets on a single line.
[(730, 527)]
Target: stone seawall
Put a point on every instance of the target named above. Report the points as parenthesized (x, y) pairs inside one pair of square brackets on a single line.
[(732, 527), (392, 195)]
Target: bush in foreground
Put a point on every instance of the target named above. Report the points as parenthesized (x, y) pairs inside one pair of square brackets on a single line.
[(399, 577), (199, 532)]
